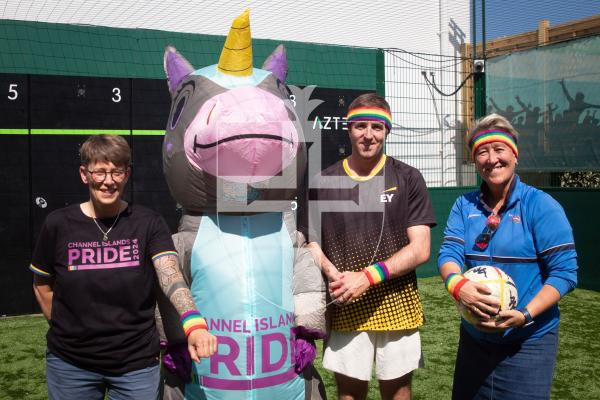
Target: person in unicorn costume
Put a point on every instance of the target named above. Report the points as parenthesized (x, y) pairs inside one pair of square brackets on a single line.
[(234, 158)]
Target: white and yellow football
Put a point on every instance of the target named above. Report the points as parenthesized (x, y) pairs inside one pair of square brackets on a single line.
[(501, 285)]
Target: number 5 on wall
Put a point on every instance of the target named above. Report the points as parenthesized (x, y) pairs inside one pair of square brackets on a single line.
[(12, 90)]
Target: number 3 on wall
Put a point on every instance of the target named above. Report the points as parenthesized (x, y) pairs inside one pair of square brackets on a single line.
[(117, 95), (12, 90)]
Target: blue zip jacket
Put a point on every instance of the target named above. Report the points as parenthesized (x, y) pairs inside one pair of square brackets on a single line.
[(533, 244)]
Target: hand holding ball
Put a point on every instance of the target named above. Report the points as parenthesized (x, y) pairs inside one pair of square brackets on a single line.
[(500, 284)]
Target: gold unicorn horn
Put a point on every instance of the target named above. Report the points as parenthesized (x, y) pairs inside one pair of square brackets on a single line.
[(236, 57)]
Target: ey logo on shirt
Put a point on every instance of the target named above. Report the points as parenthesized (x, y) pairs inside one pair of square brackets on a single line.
[(386, 197)]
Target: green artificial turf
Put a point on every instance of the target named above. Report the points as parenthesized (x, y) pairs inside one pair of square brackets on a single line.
[(22, 354), (577, 375)]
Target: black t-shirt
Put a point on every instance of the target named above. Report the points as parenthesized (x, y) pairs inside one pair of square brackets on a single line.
[(364, 220), (103, 302)]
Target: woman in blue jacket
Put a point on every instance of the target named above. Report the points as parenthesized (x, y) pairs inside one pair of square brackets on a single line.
[(524, 232)]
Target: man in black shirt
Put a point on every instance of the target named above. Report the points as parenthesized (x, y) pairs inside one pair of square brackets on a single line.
[(370, 219)]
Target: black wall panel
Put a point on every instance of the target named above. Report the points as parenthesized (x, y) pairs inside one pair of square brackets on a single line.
[(63, 102), (151, 103), (149, 186), (15, 279), (15, 247)]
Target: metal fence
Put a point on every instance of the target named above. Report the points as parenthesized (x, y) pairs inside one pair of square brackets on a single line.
[(430, 97)]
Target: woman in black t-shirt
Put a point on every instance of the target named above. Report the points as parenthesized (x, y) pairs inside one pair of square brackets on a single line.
[(95, 265)]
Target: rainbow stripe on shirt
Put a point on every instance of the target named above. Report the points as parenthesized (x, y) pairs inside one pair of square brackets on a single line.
[(163, 254), (38, 271)]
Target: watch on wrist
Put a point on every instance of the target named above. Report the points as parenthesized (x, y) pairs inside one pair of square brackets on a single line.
[(528, 317)]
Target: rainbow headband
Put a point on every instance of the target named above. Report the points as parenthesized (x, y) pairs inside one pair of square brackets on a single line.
[(370, 114), (493, 135)]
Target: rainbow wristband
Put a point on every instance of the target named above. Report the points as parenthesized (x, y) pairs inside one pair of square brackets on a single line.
[(453, 284), (192, 320), (377, 273)]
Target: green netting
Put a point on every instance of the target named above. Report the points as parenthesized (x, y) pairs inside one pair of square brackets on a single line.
[(552, 96), (59, 49)]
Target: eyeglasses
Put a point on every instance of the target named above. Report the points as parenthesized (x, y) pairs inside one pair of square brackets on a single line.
[(484, 237), (99, 175)]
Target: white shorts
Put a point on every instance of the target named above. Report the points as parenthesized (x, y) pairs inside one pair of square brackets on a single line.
[(396, 353)]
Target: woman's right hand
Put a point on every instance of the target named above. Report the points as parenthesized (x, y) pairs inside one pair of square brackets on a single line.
[(476, 297)]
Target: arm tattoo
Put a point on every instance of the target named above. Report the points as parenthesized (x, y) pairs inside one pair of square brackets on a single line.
[(172, 284), (167, 271), (182, 300)]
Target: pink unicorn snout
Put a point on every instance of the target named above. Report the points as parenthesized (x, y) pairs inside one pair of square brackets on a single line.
[(243, 135)]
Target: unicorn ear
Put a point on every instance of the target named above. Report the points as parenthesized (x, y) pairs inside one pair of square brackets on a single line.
[(277, 63), (176, 68)]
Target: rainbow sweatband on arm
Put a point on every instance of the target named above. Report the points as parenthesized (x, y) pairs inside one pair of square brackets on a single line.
[(453, 284), (377, 273), (192, 320), (370, 114)]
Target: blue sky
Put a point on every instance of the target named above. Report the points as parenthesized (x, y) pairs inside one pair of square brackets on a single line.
[(509, 17)]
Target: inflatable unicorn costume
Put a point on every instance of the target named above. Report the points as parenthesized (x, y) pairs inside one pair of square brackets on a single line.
[(234, 158)]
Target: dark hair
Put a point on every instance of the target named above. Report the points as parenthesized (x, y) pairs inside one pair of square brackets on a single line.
[(105, 148), (370, 100)]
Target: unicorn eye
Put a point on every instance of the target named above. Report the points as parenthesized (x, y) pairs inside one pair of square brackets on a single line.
[(179, 105), (177, 112)]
